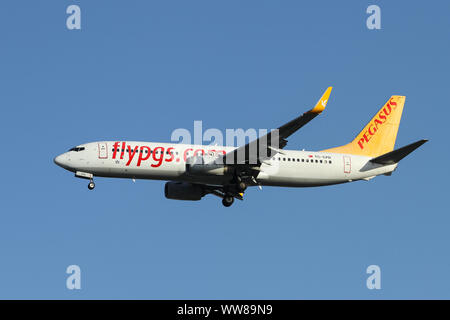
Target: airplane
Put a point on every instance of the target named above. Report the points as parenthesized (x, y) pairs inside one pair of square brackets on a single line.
[(193, 171)]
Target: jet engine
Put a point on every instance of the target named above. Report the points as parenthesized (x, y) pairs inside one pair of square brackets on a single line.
[(183, 191)]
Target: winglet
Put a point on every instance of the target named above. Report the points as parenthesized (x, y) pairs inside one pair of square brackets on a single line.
[(322, 103)]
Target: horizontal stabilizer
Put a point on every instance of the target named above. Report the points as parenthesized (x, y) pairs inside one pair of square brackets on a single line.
[(397, 155)]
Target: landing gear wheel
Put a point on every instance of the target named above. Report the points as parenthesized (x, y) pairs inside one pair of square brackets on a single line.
[(241, 186), (228, 200), (91, 185)]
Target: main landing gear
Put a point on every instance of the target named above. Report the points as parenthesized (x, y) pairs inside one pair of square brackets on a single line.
[(91, 185), (241, 186), (235, 190), (227, 200)]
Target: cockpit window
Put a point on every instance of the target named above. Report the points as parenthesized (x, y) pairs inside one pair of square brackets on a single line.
[(76, 149)]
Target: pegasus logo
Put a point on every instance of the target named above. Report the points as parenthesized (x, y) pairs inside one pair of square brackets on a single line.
[(373, 126), (324, 102)]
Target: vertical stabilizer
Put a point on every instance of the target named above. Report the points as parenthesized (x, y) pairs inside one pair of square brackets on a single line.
[(379, 135)]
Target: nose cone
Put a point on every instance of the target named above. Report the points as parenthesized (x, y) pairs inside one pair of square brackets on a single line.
[(63, 161), (58, 160)]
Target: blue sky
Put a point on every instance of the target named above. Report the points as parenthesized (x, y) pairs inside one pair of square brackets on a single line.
[(137, 70)]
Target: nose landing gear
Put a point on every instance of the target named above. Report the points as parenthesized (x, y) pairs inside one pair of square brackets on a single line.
[(86, 175)]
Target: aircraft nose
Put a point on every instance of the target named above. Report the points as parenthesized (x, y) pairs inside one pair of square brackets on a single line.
[(60, 160), (63, 160)]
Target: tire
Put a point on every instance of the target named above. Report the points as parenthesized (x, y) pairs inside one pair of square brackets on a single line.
[(227, 200), (91, 185), (241, 186)]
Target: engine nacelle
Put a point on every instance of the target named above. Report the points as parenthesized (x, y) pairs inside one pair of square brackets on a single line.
[(183, 191)]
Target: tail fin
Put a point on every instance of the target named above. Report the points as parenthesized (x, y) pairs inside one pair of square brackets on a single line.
[(378, 136)]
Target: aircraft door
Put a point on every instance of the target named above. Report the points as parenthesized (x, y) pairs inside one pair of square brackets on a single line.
[(103, 150), (347, 164)]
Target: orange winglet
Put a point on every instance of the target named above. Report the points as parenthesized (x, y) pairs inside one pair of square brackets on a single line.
[(322, 103)]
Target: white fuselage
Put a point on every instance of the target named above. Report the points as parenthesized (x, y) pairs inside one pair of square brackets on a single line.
[(164, 161)]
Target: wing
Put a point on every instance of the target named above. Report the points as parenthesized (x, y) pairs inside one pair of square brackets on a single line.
[(263, 148)]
